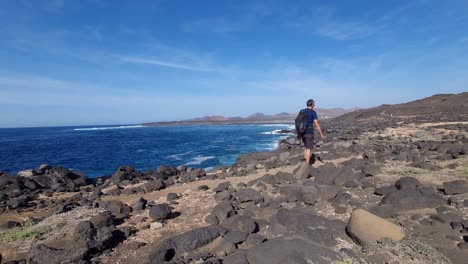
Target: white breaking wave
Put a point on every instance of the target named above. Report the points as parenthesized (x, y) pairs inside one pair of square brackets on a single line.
[(105, 128), (288, 126), (179, 155), (274, 132), (199, 160)]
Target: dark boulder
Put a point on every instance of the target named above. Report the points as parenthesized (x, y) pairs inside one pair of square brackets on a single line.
[(292, 193), (241, 223), (20, 201), (224, 186), (310, 226), (254, 240), (455, 187), (247, 195), (152, 186), (116, 207), (410, 199), (167, 171), (40, 254), (223, 210), (30, 184), (9, 225), (160, 212), (384, 190), (103, 219), (184, 243), (172, 197), (139, 204), (281, 250), (223, 196), (203, 187), (236, 258), (91, 238), (125, 173), (407, 183), (235, 237)]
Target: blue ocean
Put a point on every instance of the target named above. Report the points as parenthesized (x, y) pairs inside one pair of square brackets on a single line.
[(100, 150)]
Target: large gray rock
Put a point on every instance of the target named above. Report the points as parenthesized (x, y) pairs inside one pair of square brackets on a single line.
[(116, 207), (455, 187), (87, 236), (407, 183), (410, 199), (223, 210), (160, 212), (310, 192), (305, 223), (125, 173), (103, 219), (40, 254), (280, 251), (303, 171), (241, 223), (184, 243), (247, 195), (236, 258), (152, 186)]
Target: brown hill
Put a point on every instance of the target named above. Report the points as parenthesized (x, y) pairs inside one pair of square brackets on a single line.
[(441, 107)]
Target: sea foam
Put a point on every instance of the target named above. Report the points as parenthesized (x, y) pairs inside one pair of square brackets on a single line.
[(199, 160), (106, 128)]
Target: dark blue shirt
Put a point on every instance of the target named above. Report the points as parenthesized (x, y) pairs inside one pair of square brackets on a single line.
[(311, 116)]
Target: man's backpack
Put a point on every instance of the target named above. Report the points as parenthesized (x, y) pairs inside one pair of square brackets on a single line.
[(301, 122)]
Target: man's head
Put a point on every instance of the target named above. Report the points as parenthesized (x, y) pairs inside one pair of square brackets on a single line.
[(310, 103)]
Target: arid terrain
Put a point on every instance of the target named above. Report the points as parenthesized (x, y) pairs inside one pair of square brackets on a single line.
[(388, 185)]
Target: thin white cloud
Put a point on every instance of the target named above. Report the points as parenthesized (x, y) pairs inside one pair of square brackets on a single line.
[(246, 16), (167, 64), (31, 90), (346, 30)]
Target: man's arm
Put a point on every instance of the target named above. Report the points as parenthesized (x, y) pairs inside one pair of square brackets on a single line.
[(317, 125)]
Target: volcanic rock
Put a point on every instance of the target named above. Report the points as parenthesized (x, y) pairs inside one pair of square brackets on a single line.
[(139, 204), (364, 227), (160, 212), (236, 258), (281, 250), (247, 195), (103, 219), (223, 210), (455, 187), (410, 199), (303, 172), (184, 243), (240, 223), (407, 183), (172, 197), (307, 224), (40, 254)]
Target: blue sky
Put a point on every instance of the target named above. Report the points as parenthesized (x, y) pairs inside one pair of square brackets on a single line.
[(66, 62)]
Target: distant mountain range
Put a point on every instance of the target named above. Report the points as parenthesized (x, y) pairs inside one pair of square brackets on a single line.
[(254, 118)]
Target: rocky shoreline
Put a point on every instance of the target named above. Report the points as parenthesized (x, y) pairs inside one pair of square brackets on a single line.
[(381, 190)]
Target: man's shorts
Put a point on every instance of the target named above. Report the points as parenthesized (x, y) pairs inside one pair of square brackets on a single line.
[(308, 140)]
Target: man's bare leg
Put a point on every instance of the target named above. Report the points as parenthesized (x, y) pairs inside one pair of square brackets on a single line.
[(307, 155)]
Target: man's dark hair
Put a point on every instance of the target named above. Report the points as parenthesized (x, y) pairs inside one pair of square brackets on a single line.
[(310, 102)]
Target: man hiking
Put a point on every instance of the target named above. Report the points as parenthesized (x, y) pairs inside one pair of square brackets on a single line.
[(305, 122)]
